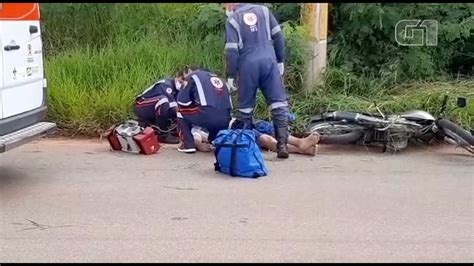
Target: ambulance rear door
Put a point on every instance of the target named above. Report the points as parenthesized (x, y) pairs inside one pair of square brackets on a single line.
[(22, 59)]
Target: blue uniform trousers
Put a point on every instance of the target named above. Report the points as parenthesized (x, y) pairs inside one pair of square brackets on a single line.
[(210, 118)]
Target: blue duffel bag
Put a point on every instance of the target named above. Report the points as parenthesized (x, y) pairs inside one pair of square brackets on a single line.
[(237, 154)]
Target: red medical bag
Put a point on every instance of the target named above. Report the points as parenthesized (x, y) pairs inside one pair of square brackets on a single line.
[(147, 140), (129, 137)]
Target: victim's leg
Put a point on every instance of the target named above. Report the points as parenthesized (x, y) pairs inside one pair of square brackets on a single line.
[(294, 140), (201, 145), (267, 142), (304, 143), (270, 143)]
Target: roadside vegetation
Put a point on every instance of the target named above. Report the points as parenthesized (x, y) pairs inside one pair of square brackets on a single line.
[(99, 56)]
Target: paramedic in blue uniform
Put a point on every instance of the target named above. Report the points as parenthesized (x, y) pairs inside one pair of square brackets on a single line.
[(157, 105), (204, 101), (254, 52)]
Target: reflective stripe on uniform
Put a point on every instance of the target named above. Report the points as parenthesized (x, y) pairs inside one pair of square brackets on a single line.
[(202, 96), (230, 101), (185, 104), (246, 110), (267, 22), (151, 87), (276, 30), (189, 111), (173, 104), (148, 101), (237, 28), (161, 101), (277, 105), (147, 90), (179, 115), (231, 45)]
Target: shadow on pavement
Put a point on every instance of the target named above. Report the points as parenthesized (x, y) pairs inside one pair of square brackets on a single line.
[(11, 180)]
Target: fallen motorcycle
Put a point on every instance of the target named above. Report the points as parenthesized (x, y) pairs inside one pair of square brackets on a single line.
[(393, 131)]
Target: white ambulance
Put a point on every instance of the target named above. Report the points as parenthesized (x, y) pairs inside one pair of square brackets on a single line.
[(23, 87)]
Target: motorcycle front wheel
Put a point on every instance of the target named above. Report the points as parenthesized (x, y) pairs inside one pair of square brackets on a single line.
[(462, 137), (336, 132)]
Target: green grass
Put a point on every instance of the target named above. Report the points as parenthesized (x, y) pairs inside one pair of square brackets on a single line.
[(90, 89)]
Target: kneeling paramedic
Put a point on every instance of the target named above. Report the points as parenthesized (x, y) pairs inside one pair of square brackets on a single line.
[(157, 105), (254, 52), (204, 101)]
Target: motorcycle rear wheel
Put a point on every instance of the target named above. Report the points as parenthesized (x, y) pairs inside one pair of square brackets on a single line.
[(337, 132)]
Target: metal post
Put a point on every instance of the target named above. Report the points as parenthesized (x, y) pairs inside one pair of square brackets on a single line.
[(315, 20)]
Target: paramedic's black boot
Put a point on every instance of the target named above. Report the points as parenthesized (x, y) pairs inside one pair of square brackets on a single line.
[(168, 138), (281, 136), (247, 123)]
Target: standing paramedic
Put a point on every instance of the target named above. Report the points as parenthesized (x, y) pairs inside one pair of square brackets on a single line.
[(156, 105), (204, 101), (254, 52)]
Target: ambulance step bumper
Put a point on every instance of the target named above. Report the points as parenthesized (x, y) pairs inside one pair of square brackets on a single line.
[(25, 135)]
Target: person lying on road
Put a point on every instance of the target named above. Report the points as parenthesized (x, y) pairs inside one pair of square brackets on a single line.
[(204, 101), (306, 146), (157, 105)]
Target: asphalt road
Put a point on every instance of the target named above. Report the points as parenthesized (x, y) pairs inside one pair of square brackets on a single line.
[(75, 201)]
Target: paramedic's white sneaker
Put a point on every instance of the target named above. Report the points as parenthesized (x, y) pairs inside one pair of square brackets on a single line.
[(182, 148)]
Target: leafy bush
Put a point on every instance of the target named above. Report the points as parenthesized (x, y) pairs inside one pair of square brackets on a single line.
[(210, 19), (284, 12), (364, 43)]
